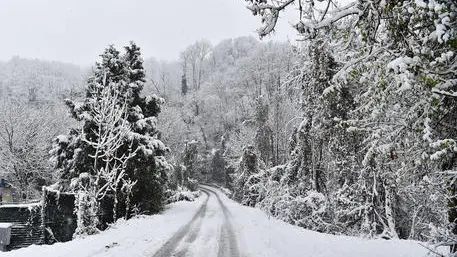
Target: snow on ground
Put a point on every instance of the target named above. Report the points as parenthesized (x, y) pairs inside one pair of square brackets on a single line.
[(256, 235), (264, 236), (140, 236)]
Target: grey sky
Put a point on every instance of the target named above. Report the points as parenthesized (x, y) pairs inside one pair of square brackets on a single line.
[(77, 31)]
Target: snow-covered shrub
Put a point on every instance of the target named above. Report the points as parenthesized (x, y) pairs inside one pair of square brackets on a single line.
[(181, 194), (86, 209), (192, 184), (245, 179), (307, 211)]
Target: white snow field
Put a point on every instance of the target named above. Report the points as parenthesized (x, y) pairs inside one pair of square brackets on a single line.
[(212, 226)]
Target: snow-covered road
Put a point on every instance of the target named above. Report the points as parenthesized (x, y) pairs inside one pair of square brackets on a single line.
[(212, 221), (213, 226)]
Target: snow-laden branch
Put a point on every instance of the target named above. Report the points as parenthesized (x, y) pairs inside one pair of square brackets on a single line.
[(444, 93), (255, 8), (310, 26), (270, 14)]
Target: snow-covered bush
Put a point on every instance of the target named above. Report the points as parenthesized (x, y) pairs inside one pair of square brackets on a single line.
[(86, 209), (181, 194)]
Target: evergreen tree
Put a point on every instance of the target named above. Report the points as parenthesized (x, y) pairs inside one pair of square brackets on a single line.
[(73, 155), (263, 134), (248, 167), (190, 161), (184, 86), (218, 164)]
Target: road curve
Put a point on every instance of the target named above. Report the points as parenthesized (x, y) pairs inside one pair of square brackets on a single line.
[(180, 244)]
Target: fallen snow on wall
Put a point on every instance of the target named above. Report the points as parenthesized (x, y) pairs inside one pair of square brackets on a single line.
[(21, 205), (5, 225)]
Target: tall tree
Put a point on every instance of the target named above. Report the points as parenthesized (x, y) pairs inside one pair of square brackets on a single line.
[(25, 132), (73, 154)]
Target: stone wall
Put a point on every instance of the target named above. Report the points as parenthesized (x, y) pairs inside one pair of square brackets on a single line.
[(27, 226)]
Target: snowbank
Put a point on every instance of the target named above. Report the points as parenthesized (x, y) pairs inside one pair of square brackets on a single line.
[(140, 236)]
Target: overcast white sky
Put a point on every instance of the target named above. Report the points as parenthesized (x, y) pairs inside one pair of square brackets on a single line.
[(77, 31)]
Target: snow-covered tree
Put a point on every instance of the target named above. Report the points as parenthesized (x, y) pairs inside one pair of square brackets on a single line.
[(218, 167), (109, 175), (25, 133), (395, 61), (194, 58), (245, 181), (74, 154)]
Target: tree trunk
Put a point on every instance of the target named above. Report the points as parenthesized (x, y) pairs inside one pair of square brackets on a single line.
[(115, 205), (452, 201), (204, 138), (452, 211), (389, 211)]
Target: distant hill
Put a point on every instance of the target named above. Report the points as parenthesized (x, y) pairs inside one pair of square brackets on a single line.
[(37, 80)]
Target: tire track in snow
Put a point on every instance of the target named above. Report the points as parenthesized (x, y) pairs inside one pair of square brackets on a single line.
[(170, 246), (228, 246)]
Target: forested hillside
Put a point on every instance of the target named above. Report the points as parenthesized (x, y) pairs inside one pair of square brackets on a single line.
[(36, 80), (32, 113), (225, 94), (264, 120), (350, 130)]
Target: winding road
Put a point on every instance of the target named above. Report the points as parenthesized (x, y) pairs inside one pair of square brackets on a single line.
[(213, 220)]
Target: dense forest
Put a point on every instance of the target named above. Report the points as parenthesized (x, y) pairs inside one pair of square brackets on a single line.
[(351, 130)]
